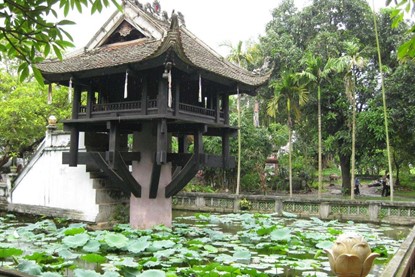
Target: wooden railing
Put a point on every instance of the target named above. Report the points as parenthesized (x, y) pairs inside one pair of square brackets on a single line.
[(151, 104), (196, 109)]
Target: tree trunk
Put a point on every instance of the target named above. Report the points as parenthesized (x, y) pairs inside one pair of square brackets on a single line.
[(345, 171), (320, 168)]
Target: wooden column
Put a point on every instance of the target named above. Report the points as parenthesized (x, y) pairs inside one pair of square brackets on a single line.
[(183, 144), (74, 143), (177, 100), (162, 139), (162, 96), (225, 102), (114, 135), (217, 108), (144, 96), (76, 101), (225, 149), (89, 102)]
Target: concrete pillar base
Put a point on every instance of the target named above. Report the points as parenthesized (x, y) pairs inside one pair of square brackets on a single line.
[(145, 212)]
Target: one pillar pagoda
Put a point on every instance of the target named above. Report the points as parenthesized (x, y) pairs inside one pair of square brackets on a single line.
[(145, 78)]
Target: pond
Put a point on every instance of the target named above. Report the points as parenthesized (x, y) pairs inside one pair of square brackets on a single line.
[(198, 245)]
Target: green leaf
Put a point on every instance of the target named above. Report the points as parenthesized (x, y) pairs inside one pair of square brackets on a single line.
[(38, 76), (66, 22), (152, 273), (211, 248), (94, 258), (92, 246), (30, 267), (325, 244), (138, 246), (9, 252), (281, 234), (116, 240), (76, 240), (57, 51), (74, 231), (85, 273), (51, 274)]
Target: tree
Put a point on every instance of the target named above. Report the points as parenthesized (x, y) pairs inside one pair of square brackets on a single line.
[(29, 34), (24, 113), (407, 49), (290, 93), (316, 72), (350, 63)]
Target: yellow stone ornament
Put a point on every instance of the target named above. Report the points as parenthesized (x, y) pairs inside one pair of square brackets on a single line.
[(351, 256)]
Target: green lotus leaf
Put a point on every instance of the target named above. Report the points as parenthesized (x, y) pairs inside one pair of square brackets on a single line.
[(116, 240), (111, 274), (94, 258), (128, 262), (85, 273), (92, 246), (325, 244), (75, 241), (281, 234), (138, 246), (160, 244), (242, 256), (164, 253), (67, 255), (51, 274), (211, 249), (30, 267), (74, 231), (152, 273), (9, 252)]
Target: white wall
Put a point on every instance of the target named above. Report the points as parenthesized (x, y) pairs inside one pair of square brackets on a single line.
[(47, 182)]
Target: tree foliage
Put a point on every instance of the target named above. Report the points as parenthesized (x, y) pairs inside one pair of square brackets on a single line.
[(24, 114), (32, 29)]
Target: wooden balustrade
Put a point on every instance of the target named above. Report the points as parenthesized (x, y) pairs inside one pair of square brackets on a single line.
[(152, 104)]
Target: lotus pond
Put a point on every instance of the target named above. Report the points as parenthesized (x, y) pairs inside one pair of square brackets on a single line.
[(197, 245)]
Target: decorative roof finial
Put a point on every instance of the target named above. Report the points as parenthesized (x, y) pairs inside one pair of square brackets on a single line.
[(174, 21)]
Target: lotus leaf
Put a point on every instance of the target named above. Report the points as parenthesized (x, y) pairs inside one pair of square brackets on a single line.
[(67, 255), (50, 274), (30, 267), (111, 274), (92, 246), (152, 273), (116, 240), (74, 231), (159, 244), (94, 258), (281, 234), (324, 244), (138, 246), (9, 252), (85, 273), (75, 241)]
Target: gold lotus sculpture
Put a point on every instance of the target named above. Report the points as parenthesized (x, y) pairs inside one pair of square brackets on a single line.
[(351, 256)]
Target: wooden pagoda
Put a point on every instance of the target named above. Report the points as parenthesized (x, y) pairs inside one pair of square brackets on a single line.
[(146, 76)]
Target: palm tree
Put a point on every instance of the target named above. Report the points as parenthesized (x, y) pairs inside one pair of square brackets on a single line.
[(316, 72), (349, 63), (289, 92)]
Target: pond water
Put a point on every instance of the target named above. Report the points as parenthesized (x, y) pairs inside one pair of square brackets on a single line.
[(197, 245)]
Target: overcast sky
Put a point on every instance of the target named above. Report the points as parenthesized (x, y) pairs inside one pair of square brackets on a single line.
[(213, 21)]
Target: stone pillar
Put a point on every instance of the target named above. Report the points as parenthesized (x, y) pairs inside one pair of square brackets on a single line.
[(144, 211), (324, 210), (374, 210)]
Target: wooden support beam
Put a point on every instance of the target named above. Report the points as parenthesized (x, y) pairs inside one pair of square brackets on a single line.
[(113, 145), (85, 157), (162, 139), (155, 179), (183, 177)]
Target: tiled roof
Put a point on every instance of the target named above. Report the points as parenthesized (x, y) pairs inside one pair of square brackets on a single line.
[(189, 48)]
